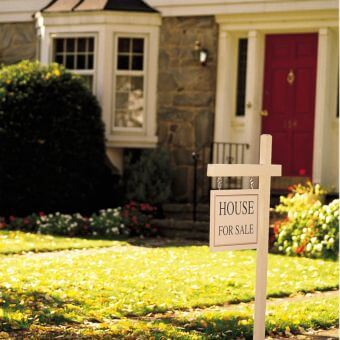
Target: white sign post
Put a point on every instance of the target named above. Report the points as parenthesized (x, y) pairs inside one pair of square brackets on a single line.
[(239, 219)]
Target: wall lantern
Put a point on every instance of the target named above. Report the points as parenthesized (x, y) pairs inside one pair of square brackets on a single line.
[(201, 54)]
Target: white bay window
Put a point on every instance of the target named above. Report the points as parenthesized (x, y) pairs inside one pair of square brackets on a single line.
[(129, 76), (116, 52)]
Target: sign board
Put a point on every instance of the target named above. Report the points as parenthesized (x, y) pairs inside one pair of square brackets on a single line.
[(234, 216), (239, 219)]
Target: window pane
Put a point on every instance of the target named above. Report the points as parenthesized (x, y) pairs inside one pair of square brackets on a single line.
[(70, 45), (123, 84), (124, 45), (70, 62), (241, 77), (59, 59), (59, 45), (137, 62), (90, 61), (123, 62), (138, 46), (76, 55), (81, 62), (88, 80), (136, 83), (130, 103), (122, 100), (91, 44), (81, 44)]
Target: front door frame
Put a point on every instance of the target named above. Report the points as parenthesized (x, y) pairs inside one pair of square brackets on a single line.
[(256, 27)]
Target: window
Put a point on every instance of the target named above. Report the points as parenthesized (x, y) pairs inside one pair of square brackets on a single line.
[(76, 54), (129, 96), (241, 77)]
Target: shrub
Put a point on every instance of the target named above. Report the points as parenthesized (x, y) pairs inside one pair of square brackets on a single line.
[(148, 177), (310, 228), (52, 148), (106, 223), (137, 219), (300, 197), (61, 224)]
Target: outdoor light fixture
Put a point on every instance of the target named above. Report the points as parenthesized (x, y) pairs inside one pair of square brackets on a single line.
[(201, 54)]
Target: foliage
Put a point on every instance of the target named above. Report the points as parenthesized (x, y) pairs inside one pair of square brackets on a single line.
[(148, 176), (17, 242), (108, 284), (284, 319), (310, 228), (311, 232), (106, 223), (137, 218), (52, 145), (300, 197)]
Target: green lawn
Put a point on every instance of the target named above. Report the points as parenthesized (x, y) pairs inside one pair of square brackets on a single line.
[(16, 242), (105, 286)]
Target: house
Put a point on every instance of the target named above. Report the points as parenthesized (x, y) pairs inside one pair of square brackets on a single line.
[(192, 74)]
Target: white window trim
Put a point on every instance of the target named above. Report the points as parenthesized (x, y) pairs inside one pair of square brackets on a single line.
[(88, 72), (237, 121), (117, 72), (103, 25)]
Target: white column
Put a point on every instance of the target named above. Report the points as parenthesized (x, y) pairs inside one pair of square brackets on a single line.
[(254, 89), (224, 90), (326, 84)]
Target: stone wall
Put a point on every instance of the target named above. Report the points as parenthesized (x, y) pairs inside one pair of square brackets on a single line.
[(186, 94), (17, 42)]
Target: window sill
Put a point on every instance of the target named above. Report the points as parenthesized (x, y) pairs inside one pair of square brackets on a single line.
[(140, 142)]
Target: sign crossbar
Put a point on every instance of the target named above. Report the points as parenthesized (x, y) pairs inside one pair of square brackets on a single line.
[(231, 225)]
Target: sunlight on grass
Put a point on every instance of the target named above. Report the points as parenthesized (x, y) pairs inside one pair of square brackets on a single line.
[(108, 283), (284, 319), (14, 242)]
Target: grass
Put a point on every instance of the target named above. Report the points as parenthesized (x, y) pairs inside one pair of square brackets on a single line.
[(17, 242), (283, 319), (104, 285)]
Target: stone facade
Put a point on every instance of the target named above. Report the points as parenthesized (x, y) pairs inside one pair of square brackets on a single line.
[(17, 42), (186, 94)]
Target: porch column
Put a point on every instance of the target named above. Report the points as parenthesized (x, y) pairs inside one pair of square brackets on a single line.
[(223, 108), (325, 149), (254, 87)]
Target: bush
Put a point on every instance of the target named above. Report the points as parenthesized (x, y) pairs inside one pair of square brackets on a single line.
[(148, 177), (52, 146), (106, 223), (137, 219), (310, 228)]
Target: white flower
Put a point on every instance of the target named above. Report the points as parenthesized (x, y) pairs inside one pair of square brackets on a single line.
[(318, 247)]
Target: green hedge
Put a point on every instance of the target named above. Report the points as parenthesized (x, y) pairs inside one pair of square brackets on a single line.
[(51, 143)]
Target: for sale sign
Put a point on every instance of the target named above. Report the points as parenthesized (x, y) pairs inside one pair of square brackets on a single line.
[(234, 219)]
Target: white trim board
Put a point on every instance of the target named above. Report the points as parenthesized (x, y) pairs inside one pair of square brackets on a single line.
[(215, 7), (20, 10)]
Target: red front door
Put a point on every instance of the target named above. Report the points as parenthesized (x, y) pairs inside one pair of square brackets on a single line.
[(289, 100)]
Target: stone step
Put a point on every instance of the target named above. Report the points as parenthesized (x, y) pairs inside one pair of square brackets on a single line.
[(185, 229), (190, 230), (183, 212)]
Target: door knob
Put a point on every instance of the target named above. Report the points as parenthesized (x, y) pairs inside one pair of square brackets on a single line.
[(264, 113)]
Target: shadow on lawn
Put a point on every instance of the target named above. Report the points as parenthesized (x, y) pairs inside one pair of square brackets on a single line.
[(23, 308), (162, 242)]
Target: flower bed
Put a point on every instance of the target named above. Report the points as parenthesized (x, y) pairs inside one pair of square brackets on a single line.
[(133, 220), (310, 228)]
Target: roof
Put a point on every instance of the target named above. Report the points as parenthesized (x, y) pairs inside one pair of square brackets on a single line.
[(97, 5)]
